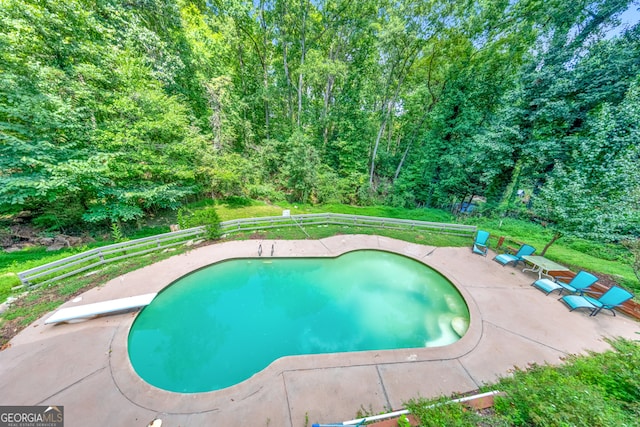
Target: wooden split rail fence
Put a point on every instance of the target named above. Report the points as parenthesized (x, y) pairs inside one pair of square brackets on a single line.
[(93, 258)]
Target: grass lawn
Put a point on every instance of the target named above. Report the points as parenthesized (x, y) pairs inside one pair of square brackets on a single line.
[(612, 260)]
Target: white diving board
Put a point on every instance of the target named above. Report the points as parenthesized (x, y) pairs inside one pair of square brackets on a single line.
[(89, 311)]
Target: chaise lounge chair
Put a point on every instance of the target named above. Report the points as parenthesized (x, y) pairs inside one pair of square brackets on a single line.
[(505, 259), (577, 285), (609, 300), (480, 244)]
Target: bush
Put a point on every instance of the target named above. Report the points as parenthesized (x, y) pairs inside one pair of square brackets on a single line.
[(327, 189), (367, 196), (401, 199), (438, 413), (618, 373), (264, 192), (599, 390), (545, 397), (207, 217), (63, 215)]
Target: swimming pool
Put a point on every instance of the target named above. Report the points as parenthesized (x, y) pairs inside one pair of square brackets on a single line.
[(220, 325)]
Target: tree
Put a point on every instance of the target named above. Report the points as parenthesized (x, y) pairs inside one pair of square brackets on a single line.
[(121, 109), (569, 74), (596, 193), (299, 167)]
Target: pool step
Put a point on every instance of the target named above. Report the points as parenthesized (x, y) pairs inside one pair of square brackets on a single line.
[(89, 311)]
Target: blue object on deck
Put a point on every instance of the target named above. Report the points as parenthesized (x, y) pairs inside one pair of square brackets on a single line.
[(577, 285), (480, 244), (505, 259), (609, 300)]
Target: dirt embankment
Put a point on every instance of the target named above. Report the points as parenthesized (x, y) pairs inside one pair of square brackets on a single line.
[(18, 236)]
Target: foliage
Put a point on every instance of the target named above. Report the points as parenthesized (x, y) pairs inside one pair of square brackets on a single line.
[(595, 197), (634, 248), (121, 110), (617, 372), (116, 232), (438, 413), (546, 397), (599, 389), (208, 217), (403, 421)]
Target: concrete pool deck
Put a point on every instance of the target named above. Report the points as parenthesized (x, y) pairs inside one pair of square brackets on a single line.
[(85, 368)]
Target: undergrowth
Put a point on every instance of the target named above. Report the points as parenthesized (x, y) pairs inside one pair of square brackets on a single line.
[(598, 389)]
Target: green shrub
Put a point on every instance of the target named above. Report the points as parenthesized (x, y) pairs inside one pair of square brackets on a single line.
[(207, 217), (547, 396), (366, 196), (63, 215), (264, 192), (403, 421), (116, 232), (617, 372), (437, 413), (401, 199)]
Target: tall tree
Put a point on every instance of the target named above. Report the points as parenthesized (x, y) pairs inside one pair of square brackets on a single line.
[(595, 193)]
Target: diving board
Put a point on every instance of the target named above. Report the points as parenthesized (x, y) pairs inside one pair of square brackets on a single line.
[(89, 311)]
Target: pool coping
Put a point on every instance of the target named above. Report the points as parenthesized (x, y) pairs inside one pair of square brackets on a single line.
[(84, 366), (146, 395)]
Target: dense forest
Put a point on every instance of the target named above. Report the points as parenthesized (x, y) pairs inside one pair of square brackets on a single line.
[(111, 109)]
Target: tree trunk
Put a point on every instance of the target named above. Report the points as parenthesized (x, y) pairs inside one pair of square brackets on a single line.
[(634, 248), (289, 84), (303, 53), (389, 103), (434, 100), (412, 138), (555, 237), (265, 71), (469, 202), (327, 97), (375, 150), (285, 63)]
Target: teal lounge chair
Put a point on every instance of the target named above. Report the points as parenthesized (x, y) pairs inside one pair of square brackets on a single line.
[(505, 259), (480, 245), (577, 285), (609, 300)]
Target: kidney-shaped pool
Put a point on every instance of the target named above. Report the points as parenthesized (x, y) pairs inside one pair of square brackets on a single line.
[(220, 325)]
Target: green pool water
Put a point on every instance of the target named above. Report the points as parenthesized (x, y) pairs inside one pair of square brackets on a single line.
[(220, 325)]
